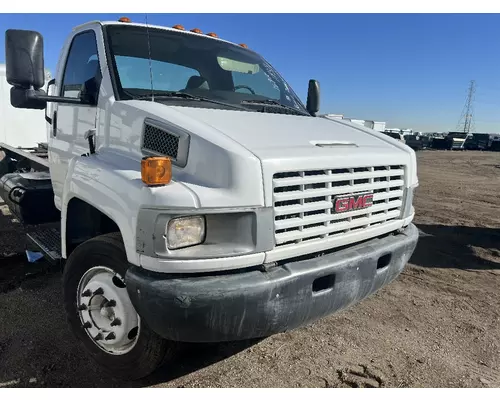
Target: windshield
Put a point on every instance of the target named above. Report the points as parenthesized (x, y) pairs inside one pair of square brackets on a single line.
[(194, 64)]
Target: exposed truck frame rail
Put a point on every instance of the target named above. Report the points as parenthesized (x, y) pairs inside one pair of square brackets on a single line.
[(27, 158)]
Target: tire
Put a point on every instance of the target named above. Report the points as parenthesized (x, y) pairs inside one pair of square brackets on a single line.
[(150, 350)]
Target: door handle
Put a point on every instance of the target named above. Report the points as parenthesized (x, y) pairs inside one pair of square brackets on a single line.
[(49, 84), (54, 124)]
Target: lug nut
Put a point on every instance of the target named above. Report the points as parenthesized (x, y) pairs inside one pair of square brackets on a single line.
[(111, 336), (82, 307), (87, 293), (87, 325), (111, 303), (99, 291), (116, 322)]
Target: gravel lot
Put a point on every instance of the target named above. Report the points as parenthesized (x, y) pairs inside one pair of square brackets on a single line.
[(437, 325)]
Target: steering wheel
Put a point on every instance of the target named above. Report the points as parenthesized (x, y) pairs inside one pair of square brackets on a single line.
[(244, 87)]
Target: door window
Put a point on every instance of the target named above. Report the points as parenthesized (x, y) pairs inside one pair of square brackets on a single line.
[(82, 74)]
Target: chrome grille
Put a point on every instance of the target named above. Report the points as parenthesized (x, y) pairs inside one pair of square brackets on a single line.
[(303, 201)]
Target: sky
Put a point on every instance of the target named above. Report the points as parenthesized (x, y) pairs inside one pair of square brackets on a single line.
[(409, 70)]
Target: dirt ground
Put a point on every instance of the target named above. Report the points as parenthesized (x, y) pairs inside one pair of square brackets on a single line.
[(437, 325)]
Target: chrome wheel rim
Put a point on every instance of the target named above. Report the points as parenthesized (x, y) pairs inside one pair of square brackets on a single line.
[(106, 312)]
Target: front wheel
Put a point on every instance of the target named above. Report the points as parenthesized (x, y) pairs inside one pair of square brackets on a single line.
[(101, 314)]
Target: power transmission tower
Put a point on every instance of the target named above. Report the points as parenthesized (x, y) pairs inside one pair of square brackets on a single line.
[(466, 123)]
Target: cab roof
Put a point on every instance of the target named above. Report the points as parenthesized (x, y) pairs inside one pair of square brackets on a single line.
[(187, 32)]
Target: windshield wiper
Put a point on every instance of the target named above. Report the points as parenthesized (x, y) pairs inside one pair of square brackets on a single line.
[(274, 103), (184, 95)]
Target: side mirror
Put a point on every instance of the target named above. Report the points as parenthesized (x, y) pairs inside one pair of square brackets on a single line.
[(25, 71), (313, 97), (24, 59), (25, 68)]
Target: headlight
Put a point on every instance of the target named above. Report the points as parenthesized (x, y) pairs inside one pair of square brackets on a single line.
[(185, 231)]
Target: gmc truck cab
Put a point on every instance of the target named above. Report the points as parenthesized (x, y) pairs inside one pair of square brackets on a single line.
[(196, 198)]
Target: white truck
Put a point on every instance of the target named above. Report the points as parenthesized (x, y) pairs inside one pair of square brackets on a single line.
[(198, 199)]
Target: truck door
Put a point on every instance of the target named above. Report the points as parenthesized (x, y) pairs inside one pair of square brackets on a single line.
[(80, 78)]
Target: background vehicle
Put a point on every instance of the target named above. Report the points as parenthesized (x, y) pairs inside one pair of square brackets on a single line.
[(495, 143), (395, 135), (417, 142), (456, 140), (199, 200), (478, 141)]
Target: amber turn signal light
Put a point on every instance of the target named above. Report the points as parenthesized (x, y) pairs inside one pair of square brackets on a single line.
[(156, 170)]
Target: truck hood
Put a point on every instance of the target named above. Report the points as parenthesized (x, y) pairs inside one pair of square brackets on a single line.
[(260, 132), (298, 143), (233, 154)]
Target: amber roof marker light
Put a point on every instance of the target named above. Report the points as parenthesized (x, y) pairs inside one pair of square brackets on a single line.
[(212, 34), (180, 27), (244, 45), (196, 30), (124, 19)]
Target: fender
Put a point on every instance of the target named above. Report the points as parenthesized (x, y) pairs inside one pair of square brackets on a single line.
[(112, 184)]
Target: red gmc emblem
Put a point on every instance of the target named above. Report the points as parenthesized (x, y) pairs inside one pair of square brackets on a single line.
[(351, 203)]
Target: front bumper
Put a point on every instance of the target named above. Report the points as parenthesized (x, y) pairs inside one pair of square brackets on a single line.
[(252, 303)]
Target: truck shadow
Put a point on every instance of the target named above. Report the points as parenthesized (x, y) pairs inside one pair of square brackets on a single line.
[(38, 350), (192, 357), (462, 247), (11, 233)]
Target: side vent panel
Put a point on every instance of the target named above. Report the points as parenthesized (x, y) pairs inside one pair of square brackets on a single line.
[(163, 140), (159, 141)]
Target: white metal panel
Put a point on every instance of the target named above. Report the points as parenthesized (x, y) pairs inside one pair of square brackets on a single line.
[(358, 121), (19, 127), (334, 116), (369, 124), (379, 126)]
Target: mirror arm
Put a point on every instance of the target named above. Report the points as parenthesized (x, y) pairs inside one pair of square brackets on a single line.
[(35, 95)]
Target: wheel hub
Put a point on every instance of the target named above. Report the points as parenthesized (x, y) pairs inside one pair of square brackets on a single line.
[(106, 312)]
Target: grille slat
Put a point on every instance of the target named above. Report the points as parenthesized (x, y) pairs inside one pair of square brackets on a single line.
[(325, 217), (334, 227), (303, 201), (295, 209), (309, 180), (323, 205), (346, 189)]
